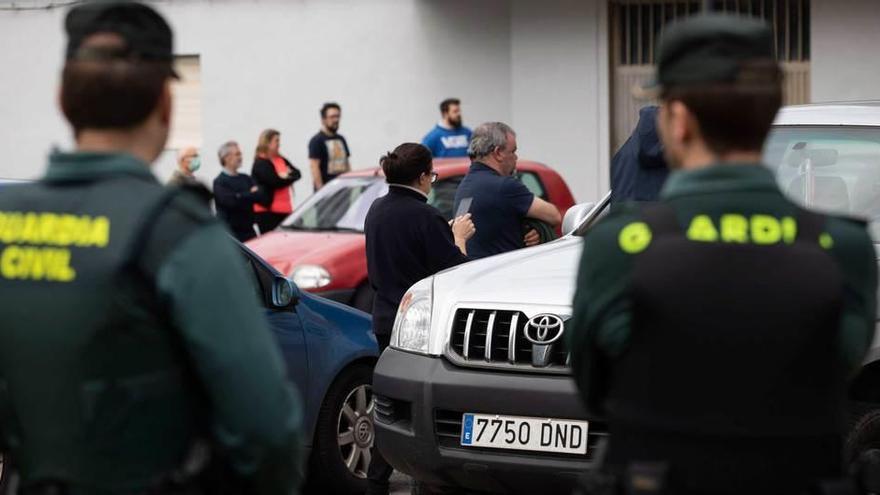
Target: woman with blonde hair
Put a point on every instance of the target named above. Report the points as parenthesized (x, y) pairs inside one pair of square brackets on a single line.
[(275, 176)]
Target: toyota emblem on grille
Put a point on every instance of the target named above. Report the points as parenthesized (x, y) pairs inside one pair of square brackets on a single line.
[(544, 329)]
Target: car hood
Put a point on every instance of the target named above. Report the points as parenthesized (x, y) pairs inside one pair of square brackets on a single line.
[(540, 277), (285, 249), (534, 280)]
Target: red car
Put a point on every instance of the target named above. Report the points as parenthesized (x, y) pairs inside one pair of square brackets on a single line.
[(321, 246)]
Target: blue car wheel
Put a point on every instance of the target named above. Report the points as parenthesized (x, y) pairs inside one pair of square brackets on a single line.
[(344, 434)]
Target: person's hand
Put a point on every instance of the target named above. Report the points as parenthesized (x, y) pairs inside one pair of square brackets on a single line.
[(532, 238), (463, 227), (255, 189)]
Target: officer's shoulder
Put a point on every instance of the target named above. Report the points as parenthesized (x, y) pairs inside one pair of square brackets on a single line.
[(186, 209), (619, 216), (849, 234), (181, 214)]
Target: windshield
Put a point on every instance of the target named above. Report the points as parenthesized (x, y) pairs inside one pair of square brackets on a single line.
[(340, 205), (829, 169)]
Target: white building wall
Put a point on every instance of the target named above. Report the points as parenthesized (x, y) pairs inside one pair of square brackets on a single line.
[(560, 89), (31, 53), (845, 37), (540, 66)]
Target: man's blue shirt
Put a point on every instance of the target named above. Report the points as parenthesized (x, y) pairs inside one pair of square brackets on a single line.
[(447, 143), (498, 208)]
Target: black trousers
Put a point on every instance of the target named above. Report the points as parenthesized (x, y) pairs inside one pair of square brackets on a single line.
[(267, 221), (380, 471)]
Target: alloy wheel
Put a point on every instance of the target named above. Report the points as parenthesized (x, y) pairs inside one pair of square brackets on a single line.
[(355, 434)]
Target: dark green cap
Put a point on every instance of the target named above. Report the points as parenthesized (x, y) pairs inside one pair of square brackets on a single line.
[(709, 48), (146, 34)]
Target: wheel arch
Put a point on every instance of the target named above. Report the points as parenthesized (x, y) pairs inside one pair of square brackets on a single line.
[(358, 361), (865, 387)]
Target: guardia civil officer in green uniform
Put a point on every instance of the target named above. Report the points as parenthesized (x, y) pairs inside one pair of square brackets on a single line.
[(131, 343), (715, 329)]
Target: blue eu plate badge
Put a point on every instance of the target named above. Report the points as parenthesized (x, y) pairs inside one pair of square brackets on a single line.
[(467, 433)]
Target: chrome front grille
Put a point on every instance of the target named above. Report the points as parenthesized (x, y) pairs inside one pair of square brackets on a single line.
[(496, 339)]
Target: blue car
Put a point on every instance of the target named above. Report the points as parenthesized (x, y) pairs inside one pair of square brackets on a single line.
[(330, 352)]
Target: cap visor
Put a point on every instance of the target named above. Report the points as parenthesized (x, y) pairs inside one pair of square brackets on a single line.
[(648, 91)]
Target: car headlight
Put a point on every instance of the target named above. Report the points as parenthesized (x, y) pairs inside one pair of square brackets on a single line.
[(311, 276), (412, 326)]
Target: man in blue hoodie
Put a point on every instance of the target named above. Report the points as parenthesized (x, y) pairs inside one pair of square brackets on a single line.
[(449, 138), (638, 169)]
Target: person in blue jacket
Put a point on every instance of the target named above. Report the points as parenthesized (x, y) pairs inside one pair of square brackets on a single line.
[(638, 169), (449, 138)]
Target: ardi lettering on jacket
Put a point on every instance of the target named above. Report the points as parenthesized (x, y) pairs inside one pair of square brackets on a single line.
[(730, 228)]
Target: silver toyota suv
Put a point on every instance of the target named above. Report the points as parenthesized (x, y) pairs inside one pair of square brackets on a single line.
[(475, 391)]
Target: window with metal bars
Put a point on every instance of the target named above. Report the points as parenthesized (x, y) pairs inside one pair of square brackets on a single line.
[(638, 24)]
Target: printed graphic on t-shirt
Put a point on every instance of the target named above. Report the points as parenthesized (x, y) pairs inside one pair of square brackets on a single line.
[(337, 158), (455, 142)]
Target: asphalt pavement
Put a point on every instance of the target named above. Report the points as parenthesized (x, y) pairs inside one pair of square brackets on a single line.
[(400, 484)]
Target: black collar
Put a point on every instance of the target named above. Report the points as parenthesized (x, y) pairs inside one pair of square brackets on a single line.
[(399, 190)]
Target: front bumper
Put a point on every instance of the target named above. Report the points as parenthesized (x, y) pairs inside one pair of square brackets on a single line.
[(419, 405)]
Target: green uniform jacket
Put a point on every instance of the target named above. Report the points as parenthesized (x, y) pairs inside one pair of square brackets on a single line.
[(600, 326), (109, 405)]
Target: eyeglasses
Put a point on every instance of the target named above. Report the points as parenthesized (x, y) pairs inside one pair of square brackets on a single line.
[(434, 176)]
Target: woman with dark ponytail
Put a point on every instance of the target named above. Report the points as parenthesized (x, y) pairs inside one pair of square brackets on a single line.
[(407, 240)]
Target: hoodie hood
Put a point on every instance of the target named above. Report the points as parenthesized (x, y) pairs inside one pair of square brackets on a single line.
[(638, 169), (650, 148)]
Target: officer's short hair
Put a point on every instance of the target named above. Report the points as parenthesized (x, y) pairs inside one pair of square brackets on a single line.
[(108, 94), (487, 137), (734, 116)]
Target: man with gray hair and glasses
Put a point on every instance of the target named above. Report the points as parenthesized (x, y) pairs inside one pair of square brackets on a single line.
[(235, 193), (497, 201)]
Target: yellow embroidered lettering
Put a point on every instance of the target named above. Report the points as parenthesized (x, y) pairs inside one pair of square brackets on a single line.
[(734, 228), (766, 229), (702, 229), (635, 237)]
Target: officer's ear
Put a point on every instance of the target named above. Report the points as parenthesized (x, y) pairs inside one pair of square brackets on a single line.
[(679, 122), (165, 104)]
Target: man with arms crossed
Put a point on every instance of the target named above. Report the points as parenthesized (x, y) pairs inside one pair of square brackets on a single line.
[(499, 202)]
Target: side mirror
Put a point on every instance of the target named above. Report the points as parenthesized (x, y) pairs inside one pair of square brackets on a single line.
[(283, 293), (575, 216)]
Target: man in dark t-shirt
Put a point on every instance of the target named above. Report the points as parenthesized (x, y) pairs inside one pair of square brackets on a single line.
[(328, 150), (499, 202)]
